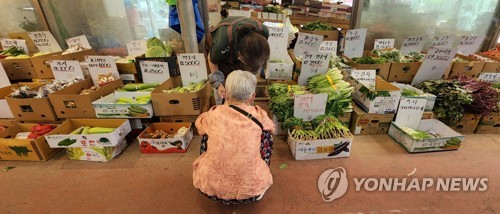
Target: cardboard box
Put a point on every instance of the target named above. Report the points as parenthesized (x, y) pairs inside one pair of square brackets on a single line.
[(280, 70), (363, 123), (7, 123), (467, 124), (346, 118), (177, 144), (431, 98), (472, 68), (172, 104), (490, 67), (182, 119), (382, 100), (489, 124), (32, 109), (441, 143), (96, 153), (41, 64), (107, 107), (382, 70), (68, 103), (6, 91), (403, 72), (79, 56), (24, 149), (320, 149), (329, 35), (172, 64), (126, 68), (62, 132), (19, 69), (428, 115)]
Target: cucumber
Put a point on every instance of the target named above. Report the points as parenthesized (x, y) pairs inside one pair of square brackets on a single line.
[(86, 130), (138, 108), (100, 130), (77, 131)]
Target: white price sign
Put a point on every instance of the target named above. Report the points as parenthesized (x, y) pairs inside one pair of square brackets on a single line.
[(102, 65), (309, 106), (278, 42), (19, 43), (383, 44), (365, 77), (412, 44), (328, 47), (410, 112), (469, 44), (443, 41), (45, 41), (66, 70), (355, 42), (306, 43), (154, 72), (79, 41), (434, 65), (490, 77), (313, 63), (136, 47), (4, 79), (193, 67)]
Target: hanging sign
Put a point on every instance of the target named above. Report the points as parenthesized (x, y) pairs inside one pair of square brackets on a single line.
[(79, 41), (19, 43), (309, 106), (154, 72), (136, 47), (278, 42), (469, 44), (355, 42), (413, 44), (443, 41), (307, 42), (329, 47), (410, 112), (102, 66), (435, 64), (66, 70), (383, 44), (193, 68), (45, 41), (313, 63)]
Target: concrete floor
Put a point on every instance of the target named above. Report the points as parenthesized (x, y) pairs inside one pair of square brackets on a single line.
[(138, 183)]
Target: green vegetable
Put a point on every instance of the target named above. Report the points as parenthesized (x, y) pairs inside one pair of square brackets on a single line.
[(339, 94), (12, 51), (77, 131), (416, 134), (317, 26), (281, 99), (192, 87), (139, 86), (86, 130), (408, 92), (394, 55), (100, 130), (66, 142), (322, 127), (156, 51), (152, 42), (369, 60), (450, 99)]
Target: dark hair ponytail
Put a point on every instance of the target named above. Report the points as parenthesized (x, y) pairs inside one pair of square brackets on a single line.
[(252, 46)]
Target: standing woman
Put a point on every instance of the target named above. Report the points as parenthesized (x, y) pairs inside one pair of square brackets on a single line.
[(236, 43)]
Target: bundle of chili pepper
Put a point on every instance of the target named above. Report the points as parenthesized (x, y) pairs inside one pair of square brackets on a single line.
[(485, 97)]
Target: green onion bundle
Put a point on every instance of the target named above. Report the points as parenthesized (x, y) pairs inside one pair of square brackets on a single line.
[(339, 91)]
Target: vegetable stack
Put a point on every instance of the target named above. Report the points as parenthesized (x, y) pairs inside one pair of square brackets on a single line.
[(394, 55), (322, 127), (339, 91), (485, 97), (281, 99)]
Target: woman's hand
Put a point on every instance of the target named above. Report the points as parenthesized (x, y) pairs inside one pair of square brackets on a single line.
[(222, 91)]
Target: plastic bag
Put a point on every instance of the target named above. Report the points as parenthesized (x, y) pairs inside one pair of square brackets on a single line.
[(175, 23)]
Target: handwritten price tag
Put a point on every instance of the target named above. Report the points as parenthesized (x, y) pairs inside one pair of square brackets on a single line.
[(66, 70), (79, 40), (435, 63), (154, 72), (410, 112), (309, 106), (383, 44), (469, 44), (328, 47), (490, 77), (136, 47), (4, 79), (19, 43), (412, 44), (278, 42), (313, 63), (355, 42), (104, 65), (307, 42), (45, 41), (443, 41), (193, 68), (365, 77)]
